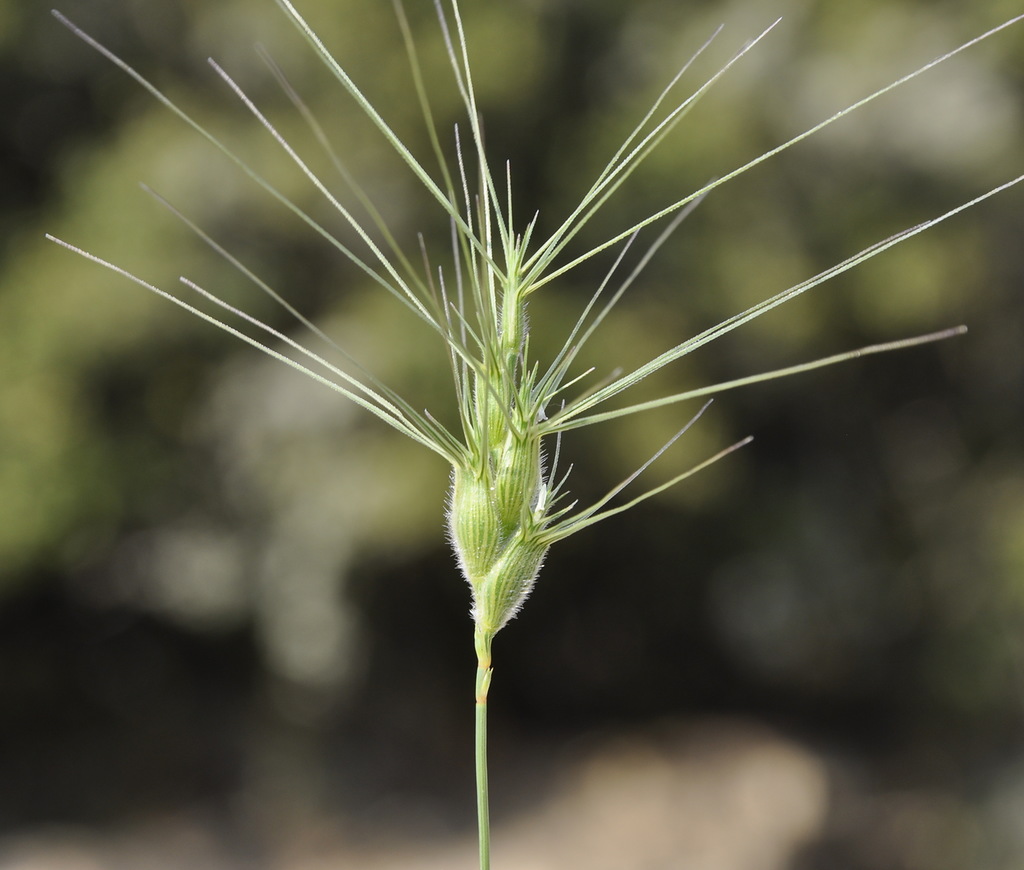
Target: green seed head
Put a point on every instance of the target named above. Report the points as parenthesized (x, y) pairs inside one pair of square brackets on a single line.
[(502, 513), (495, 517)]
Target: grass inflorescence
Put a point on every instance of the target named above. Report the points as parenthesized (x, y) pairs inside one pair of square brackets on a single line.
[(509, 499)]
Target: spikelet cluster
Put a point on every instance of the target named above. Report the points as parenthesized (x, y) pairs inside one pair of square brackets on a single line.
[(498, 509)]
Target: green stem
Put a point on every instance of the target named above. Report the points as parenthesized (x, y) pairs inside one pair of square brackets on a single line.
[(483, 683)]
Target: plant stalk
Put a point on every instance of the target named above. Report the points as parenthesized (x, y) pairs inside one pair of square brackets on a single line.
[(483, 683)]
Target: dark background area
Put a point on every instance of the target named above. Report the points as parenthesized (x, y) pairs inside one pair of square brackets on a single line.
[(227, 609)]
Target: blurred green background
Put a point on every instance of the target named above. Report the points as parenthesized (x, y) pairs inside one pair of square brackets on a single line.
[(228, 616)]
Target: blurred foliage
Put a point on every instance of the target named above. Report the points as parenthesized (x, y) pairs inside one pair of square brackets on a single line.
[(859, 570)]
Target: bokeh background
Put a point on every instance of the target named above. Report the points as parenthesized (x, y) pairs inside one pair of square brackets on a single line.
[(231, 634)]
